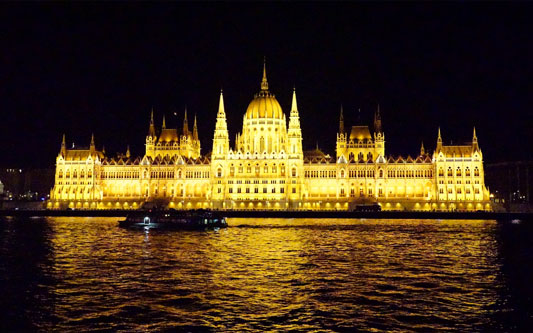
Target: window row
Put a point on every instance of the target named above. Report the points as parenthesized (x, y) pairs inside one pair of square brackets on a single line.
[(256, 190), (428, 173), (458, 172), (75, 174), (257, 169)]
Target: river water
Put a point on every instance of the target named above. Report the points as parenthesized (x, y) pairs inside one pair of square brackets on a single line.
[(73, 274)]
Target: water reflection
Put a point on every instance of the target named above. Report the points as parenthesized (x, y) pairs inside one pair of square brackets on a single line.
[(274, 274), (25, 254)]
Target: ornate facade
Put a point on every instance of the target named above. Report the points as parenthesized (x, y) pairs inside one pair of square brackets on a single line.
[(267, 169)]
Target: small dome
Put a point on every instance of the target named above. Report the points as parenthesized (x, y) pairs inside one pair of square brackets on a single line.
[(264, 105)]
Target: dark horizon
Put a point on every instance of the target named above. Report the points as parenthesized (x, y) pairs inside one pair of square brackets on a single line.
[(84, 68)]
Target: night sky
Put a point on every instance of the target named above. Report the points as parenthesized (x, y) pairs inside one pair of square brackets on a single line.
[(82, 68)]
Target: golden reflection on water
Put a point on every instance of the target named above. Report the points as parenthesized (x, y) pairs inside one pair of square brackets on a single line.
[(276, 274)]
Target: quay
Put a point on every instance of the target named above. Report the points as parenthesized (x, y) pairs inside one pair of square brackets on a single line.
[(293, 214)]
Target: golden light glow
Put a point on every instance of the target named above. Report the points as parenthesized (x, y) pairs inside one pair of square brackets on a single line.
[(268, 170)]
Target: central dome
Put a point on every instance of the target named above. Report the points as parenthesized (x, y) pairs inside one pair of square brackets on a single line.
[(264, 104)]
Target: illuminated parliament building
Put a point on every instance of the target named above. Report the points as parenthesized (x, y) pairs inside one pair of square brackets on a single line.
[(267, 169)]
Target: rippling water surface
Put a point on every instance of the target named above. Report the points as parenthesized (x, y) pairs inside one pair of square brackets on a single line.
[(272, 274)]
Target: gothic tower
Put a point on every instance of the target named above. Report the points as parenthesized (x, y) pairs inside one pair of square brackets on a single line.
[(295, 132), (221, 137)]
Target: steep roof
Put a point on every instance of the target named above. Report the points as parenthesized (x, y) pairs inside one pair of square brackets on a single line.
[(81, 154), (464, 151), (168, 135), (360, 133)]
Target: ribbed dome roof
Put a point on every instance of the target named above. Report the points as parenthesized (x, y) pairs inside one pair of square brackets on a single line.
[(264, 106)]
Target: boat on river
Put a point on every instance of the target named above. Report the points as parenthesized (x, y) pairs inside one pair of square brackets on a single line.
[(199, 219)]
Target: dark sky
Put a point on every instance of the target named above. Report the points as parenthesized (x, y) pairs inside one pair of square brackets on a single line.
[(82, 68)]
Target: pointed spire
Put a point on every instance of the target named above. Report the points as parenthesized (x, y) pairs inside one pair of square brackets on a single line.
[(439, 142), (164, 123), (377, 121), (185, 123), (294, 105), (195, 129), (103, 149), (221, 112), (474, 140), (264, 82), (92, 148), (151, 130), (359, 116), (341, 121), (220, 137), (128, 155), (422, 150), (63, 145)]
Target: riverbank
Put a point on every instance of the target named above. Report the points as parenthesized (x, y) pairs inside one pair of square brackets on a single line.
[(294, 214)]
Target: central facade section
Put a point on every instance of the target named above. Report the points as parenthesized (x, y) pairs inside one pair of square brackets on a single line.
[(264, 168), (264, 127)]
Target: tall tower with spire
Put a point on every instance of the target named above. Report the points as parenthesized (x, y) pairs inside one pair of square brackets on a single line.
[(151, 137), (92, 147), (295, 131), (377, 121), (221, 137), (195, 129), (341, 135), (475, 145), (185, 124), (379, 135), (439, 142), (63, 150)]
